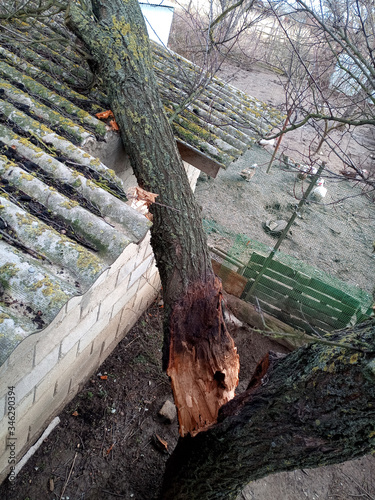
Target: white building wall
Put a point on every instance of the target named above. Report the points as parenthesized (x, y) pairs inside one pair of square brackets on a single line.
[(158, 17)]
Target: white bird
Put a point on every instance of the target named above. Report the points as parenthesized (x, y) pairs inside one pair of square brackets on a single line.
[(362, 173), (267, 142), (248, 173), (319, 192), (303, 171)]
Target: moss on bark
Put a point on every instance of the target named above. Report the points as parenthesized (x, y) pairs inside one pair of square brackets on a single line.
[(116, 35), (314, 407)]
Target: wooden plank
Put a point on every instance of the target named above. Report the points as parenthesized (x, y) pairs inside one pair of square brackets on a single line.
[(300, 295), (257, 258), (198, 159), (306, 295), (297, 322), (283, 269), (346, 318), (297, 308), (334, 292), (303, 279), (274, 286), (277, 288), (314, 318), (327, 291), (327, 299), (272, 294), (346, 304), (261, 320), (252, 273), (301, 305), (233, 282), (286, 317), (300, 323), (275, 265)]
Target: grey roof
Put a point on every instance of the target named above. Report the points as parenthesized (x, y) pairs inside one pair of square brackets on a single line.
[(63, 216), (221, 122)]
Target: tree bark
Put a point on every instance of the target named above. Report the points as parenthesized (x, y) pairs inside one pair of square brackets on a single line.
[(315, 406), (199, 354)]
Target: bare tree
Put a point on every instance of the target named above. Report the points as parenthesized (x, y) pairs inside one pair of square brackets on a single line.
[(331, 74), (325, 51)]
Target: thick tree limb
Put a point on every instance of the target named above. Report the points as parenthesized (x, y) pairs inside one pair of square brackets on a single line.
[(314, 407), (265, 322)]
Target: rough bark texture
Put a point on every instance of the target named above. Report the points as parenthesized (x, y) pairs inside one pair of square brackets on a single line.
[(116, 36), (316, 406)]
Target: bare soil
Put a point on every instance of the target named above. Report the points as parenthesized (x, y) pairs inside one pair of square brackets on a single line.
[(335, 235), (106, 445)]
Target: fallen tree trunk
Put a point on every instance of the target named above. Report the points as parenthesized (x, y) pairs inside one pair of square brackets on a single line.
[(283, 334), (199, 354), (315, 406)]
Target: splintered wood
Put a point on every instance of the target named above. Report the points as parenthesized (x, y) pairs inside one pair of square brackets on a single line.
[(141, 200), (203, 361)]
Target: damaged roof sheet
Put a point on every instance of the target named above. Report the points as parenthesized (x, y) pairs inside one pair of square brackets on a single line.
[(63, 213), (221, 121), (63, 216)]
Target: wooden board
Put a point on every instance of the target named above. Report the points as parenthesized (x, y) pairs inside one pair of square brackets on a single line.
[(233, 282), (287, 300), (302, 284), (291, 295), (198, 160)]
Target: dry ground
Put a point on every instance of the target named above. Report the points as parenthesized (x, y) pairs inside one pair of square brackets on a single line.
[(104, 446)]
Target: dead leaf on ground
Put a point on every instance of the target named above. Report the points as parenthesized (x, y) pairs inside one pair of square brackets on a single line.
[(159, 443)]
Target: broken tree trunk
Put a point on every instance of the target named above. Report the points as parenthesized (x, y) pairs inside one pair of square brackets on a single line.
[(199, 354), (315, 406)]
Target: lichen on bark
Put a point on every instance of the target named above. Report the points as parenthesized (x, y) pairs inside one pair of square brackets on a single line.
[(116, 36), (314, 407)]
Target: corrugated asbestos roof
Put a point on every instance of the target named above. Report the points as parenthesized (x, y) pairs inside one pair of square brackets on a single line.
[(63, 217), (222, 122)]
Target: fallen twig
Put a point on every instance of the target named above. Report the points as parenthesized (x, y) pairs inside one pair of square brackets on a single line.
[(68, 478), (359, 486)]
